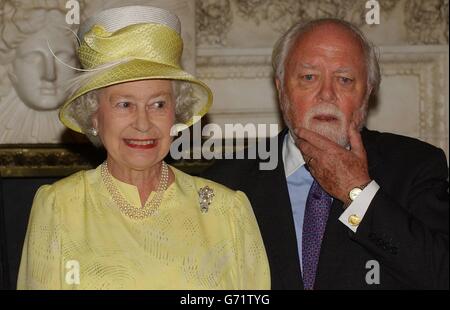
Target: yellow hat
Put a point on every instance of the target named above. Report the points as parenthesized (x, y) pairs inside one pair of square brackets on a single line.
[(132, 43)]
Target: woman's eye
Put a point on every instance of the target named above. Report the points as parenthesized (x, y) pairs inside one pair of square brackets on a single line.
[(159, 104), (124, 105)]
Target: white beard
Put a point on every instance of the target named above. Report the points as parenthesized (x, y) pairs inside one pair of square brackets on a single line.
[(335, 131)]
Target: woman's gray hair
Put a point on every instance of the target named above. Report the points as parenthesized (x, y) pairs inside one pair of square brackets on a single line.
[(284, 45), (83, 108)]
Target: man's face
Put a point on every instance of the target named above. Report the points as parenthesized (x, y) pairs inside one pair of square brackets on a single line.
[(325, 82)]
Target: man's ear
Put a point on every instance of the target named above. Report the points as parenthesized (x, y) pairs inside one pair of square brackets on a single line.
[(368, 92), (279, 90), (278, 84)]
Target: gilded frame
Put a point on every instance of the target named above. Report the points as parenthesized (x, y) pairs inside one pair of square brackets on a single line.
[(59, 160), (46, 160)]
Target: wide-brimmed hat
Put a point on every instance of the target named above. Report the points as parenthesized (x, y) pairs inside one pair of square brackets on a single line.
[(129, 44)]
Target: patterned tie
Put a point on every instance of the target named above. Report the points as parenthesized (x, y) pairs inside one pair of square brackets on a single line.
[(317, 209)]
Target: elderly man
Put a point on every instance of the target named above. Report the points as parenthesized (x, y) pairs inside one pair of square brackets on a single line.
[(346, 207)]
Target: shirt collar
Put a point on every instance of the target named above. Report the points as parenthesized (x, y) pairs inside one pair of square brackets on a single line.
[(292, 157)]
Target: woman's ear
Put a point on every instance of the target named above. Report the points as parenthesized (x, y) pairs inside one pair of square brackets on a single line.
[(94, 119)]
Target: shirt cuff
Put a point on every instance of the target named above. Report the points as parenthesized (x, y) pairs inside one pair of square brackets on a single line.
[(354, 213)]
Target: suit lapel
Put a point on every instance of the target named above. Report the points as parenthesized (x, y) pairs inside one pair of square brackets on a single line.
[(331, 256), (274, 214), (371, 151)]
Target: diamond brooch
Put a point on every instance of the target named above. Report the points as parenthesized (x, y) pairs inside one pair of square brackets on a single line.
[(205, 196)]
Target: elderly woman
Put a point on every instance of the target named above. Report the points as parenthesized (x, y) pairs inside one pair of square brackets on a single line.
[(134, 222)]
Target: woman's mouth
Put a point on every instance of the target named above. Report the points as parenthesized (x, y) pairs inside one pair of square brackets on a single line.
[(141, 143)]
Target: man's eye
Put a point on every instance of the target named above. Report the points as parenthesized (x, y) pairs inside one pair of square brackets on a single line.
[(345, 80), (308, 77)]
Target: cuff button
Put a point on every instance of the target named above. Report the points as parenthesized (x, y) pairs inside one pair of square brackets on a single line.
[(354, 220)]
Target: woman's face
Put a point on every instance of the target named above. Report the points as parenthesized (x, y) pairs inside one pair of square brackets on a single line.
[(134, 121)]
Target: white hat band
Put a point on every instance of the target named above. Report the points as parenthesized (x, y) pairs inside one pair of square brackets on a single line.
[(118, 18)]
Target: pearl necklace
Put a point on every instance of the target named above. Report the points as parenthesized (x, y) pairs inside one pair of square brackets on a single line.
[(126, 208)]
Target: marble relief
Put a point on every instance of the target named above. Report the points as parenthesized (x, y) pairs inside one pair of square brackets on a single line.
[(31, 79)]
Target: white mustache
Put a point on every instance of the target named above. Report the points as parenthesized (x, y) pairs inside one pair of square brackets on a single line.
[(324, 109), (334, 131)]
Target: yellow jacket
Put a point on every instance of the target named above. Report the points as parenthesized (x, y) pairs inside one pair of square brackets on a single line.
[(77, 238)]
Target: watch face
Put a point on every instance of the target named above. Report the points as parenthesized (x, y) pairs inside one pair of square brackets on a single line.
[(354, 193)]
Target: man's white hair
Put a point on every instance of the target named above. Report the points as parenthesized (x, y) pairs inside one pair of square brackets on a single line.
[(285, 44)]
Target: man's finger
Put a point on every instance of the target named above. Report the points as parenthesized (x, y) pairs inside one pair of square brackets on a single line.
[(308, 149), (355, 140), (319, 141)]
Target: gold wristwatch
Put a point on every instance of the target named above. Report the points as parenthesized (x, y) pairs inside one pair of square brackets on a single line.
[(356, 191)]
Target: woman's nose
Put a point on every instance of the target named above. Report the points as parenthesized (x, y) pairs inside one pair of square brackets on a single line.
[(143, 122)]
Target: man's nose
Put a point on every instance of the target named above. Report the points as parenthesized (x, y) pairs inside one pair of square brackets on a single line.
[(49, 73), (327, 92)]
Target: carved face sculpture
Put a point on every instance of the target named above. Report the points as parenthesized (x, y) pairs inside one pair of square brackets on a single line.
[(39, 77)]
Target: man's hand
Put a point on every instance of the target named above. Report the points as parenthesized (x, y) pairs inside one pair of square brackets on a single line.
[(337, 169)]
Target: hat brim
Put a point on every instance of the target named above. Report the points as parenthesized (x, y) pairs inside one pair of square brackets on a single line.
[(136, 70)]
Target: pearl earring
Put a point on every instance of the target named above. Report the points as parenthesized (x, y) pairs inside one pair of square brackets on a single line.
[(94, 132)]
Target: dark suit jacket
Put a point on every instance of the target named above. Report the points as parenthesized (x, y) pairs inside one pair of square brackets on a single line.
[(405, 228)]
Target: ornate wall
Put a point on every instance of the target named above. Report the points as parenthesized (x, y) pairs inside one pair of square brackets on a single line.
[(235, 38), (228, 44)]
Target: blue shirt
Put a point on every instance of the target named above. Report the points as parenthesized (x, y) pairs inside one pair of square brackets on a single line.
[(299, 184), (299, 181)]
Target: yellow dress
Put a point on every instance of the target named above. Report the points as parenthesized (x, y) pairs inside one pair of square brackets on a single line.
[(77, 238)]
